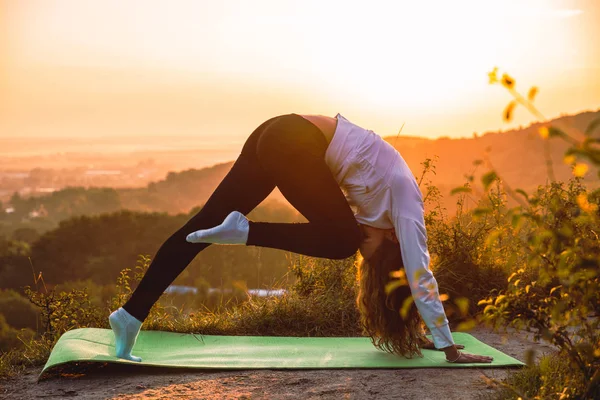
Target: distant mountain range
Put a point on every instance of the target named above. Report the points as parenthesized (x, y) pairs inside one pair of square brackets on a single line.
[(517, 156)]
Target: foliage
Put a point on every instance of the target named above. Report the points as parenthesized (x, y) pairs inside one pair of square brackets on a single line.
[(58, 312), (32, 350), (321, 302), (103, 243), (465, 268), (99, 246), (67, 203), (13, 261), (63, 311), (555, 292), (99, 295), (17, 310), (125, 287), (11, 337), (551, 378)]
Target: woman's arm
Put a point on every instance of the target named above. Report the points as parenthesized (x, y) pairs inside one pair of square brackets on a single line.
[(407, 215), (412, 237)]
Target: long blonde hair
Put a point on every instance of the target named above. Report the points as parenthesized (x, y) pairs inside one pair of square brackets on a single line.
[(379, 312)]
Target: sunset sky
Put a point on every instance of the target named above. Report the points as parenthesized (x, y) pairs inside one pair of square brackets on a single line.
[(82, 68)]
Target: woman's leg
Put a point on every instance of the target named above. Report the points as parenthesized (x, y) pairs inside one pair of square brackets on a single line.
[(243, 188), (287, 151), (292, 151)]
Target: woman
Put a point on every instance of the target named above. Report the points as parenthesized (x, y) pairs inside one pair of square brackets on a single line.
[(310, 159)]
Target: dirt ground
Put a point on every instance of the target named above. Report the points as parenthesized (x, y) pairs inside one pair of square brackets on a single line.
[(114, 381)]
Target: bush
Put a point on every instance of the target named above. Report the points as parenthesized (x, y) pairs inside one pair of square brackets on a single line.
[(98, 295), (552, 377), (321, 302), (64, 311), (555, 293), (465, 268)]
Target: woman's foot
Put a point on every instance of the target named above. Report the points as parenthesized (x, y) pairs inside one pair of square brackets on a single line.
[(126, 329), (233, 230)]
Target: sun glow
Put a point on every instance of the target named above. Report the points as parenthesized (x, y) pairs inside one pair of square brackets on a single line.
[(382, 62)]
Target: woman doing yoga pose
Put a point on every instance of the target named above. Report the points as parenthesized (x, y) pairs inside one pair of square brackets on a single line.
[(311, 159)]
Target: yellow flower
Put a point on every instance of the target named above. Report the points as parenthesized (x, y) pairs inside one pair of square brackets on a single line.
[(544, 132), (493, 76), (580, 169), (508, 81), (584, 204)]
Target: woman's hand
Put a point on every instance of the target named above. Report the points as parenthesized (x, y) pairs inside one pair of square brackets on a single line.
[(428, 345), (453, 355), (466, 358)]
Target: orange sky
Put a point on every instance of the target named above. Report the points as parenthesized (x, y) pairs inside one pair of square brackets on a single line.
[(191, 68)]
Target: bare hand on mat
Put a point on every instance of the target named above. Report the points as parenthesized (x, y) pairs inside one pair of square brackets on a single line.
[(453, 355), (465, 358), (428, 345)]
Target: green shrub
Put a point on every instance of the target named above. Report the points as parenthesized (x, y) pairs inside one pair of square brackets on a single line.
[(555, 293), (552, 377), (321, 302), (464, 267), (62, 311), (98, 295), (32, 351)]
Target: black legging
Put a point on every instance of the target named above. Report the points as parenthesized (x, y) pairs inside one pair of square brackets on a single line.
[(286, 151)]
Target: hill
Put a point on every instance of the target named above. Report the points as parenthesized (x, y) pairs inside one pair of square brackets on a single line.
[(517, 156)]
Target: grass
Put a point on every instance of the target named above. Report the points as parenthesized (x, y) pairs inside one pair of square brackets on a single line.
[(33, 353), (551, 378), (320, 303)]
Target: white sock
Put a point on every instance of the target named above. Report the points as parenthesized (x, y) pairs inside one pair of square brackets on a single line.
[(126, 328), (233, 230)]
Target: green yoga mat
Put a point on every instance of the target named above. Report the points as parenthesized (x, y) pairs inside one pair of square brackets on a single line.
[(187, 350)]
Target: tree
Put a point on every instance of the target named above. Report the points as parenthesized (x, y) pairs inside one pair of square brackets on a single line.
[(17, 310)]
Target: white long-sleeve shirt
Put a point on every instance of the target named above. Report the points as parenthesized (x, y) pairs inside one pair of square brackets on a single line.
[(379, 184)]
